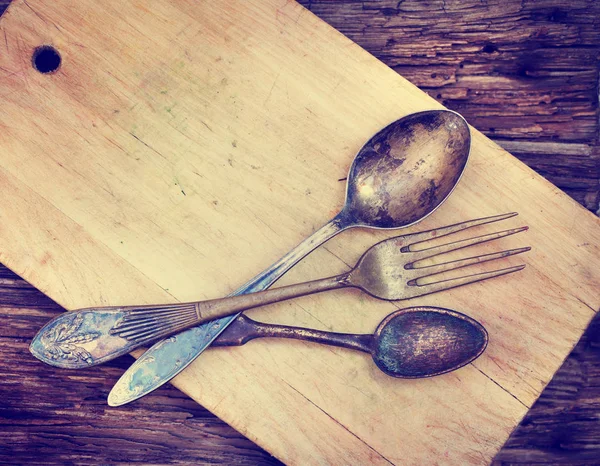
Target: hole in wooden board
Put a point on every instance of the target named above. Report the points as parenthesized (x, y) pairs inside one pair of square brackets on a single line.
[(489, 48), (46, 59)]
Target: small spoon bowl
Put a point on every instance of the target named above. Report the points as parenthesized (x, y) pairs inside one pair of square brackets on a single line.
[(423, 342)]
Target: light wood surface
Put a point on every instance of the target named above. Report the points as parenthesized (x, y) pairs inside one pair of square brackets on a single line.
[(180, 150)]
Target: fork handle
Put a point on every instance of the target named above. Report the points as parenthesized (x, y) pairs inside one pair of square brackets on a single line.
[(161, 320), (97, 334)]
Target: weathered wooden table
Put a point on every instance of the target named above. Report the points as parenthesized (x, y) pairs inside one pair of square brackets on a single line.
[(525, 73)]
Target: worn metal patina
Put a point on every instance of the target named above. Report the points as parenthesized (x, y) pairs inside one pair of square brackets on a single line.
[(426, 341)]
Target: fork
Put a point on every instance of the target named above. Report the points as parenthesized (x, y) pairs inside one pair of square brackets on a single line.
[(398, 268)]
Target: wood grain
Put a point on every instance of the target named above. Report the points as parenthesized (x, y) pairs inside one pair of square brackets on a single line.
[(525, 392)]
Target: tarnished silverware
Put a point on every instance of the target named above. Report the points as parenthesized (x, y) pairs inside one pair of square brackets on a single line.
[(438, 139), (398, 268), (400, 176), (409, 343)]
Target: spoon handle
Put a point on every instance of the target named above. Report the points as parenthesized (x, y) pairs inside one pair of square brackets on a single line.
[(245, 329), (273, 273)]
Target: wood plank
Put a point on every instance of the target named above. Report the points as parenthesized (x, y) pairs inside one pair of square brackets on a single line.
[(562, 426), (130, 219)]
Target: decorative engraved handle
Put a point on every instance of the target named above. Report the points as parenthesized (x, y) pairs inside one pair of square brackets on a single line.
[(85, 337)]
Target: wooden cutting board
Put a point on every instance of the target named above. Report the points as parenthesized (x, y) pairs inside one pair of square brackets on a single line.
[(184, 146)]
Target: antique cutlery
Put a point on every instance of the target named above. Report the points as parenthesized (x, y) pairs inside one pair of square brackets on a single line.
[(409, 343), (401, 175), (398, 268), (436, 138)]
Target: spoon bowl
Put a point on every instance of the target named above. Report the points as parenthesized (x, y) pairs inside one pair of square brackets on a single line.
[(423, 342), (404, 172)]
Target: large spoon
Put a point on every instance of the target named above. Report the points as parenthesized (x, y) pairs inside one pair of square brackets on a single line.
[(409, 343), (400, 176)]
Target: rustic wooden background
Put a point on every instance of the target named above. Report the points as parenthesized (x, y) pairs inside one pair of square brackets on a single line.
[(524, 72)]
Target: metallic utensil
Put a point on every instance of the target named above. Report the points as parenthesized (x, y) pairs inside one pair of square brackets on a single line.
[(409, 343), (394, 269), (401, 175)]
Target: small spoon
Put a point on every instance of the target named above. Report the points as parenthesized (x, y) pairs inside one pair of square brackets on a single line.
[(409, 343)]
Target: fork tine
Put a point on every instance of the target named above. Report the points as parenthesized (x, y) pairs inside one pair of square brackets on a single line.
[(442, 285), (424, 254), (420, 237), (460, 263)]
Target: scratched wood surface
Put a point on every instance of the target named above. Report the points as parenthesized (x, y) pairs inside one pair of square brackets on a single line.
[(524, 390)]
